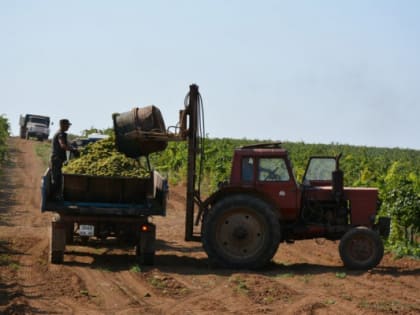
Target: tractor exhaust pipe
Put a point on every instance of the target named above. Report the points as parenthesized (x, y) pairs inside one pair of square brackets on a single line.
[(338, 180)]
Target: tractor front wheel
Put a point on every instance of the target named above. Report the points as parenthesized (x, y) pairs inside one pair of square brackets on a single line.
[(361, 248), (241, 231)]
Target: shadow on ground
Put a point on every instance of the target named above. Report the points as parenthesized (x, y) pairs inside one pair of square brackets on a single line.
[(172, 258)]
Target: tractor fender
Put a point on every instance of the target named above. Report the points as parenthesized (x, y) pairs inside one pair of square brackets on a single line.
[(225, 192)]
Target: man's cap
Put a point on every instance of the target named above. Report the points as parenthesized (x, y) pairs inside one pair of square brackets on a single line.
[(65, 122)]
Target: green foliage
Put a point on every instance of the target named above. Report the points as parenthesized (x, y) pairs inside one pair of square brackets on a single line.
[(401, 201), (135, 269), (340, 275), (4, 134), (43, 150)]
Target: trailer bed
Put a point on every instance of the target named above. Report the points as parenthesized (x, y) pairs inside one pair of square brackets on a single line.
[(107, 196)]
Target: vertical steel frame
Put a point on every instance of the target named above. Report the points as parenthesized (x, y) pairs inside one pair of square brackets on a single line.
[(192, 111)]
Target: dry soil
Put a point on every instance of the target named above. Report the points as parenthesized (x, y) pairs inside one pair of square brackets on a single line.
[(102, 278)]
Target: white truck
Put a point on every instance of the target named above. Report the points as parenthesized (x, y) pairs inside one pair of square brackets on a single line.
[(36, 126)]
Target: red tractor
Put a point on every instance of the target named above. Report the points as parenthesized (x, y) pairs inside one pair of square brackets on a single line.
[(262, 205)]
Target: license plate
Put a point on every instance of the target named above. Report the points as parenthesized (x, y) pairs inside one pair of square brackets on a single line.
[(86, 230)]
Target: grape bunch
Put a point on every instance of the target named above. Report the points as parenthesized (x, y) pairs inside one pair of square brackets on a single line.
[(102, 159)]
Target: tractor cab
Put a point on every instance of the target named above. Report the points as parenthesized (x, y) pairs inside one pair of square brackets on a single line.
[(265, 170)]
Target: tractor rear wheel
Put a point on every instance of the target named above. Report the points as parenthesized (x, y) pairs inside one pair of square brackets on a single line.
[(361, 248), (241, 231)]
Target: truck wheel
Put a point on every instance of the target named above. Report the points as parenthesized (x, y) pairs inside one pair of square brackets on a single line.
[(361, 248), (69, 232), (147, 259), (84, 240), (241, 231), (57, 241), (57, 257), (145, 247)]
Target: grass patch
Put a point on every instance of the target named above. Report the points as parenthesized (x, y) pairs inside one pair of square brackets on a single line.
[(43, 151), (306, 278), (84, 292), (285, 275), (388, 306), (4, 259), (166, 284), (135, 269), (340, 275), (158, 282), (14, 266), (239, 285)]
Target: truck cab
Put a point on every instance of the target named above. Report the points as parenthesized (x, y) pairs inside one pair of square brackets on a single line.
[(35, 126)]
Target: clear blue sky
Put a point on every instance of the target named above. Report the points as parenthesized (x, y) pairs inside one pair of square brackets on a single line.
[(314, 71)]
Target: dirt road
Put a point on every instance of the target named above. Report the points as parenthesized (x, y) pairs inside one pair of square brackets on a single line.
[(305, 278)]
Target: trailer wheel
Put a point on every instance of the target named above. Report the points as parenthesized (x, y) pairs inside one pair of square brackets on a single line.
[(69, 232), (84, 240), (145, 247), (57, 257), (241, 231), (147, 259), (361, 248), (57, 241)]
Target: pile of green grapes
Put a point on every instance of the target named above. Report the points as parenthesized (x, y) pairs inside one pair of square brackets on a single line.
[(102, 159)]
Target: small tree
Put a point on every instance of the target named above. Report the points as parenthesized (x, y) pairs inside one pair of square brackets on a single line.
[(4, 134)]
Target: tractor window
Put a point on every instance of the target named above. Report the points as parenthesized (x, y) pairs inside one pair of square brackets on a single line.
[(320, 169), (38, 121), (247, 174), (272, 169)]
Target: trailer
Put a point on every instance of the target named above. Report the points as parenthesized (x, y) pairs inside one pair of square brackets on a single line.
[(103, 207)]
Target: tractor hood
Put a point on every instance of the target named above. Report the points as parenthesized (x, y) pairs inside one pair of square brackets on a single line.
[(363, 201)]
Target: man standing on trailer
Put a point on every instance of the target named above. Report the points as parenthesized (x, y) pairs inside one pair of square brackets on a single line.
[(58, 157)]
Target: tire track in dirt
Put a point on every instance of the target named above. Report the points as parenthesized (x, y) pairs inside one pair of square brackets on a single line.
[(109, 293), (27, 233), (25, 240)]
